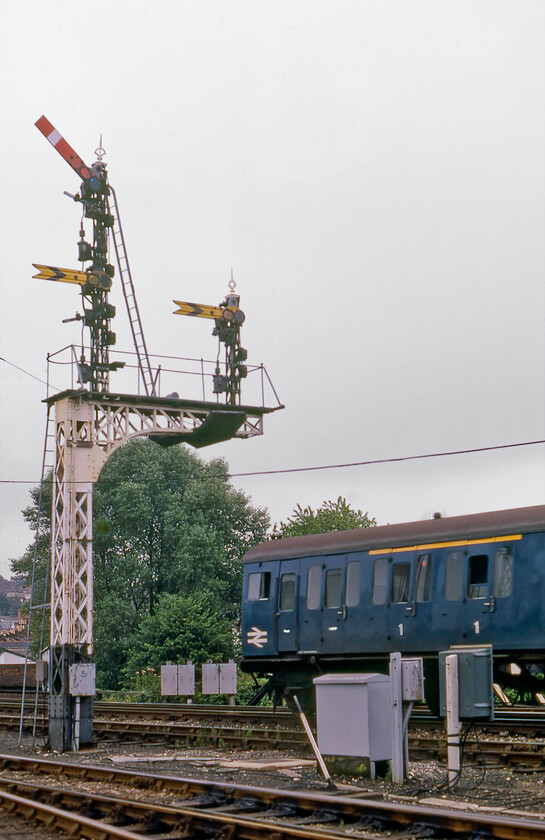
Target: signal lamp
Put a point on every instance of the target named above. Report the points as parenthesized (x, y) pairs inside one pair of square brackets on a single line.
[(85, 251), (239, 316), (227, 315), (99, 279), (85, 374), (220, 384)]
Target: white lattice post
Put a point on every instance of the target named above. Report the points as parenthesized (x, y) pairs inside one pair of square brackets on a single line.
[(71, 569)]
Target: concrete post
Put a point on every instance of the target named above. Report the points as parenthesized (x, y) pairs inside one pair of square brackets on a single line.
[(453, 717)]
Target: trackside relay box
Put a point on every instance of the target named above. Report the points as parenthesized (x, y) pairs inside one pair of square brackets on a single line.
[(475, 682), (354, 715), (82, 679)]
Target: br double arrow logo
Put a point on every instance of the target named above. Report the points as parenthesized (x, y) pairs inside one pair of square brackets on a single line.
[(256, 637)]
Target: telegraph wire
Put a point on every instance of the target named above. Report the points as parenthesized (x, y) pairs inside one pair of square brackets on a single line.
[(353, 464), (37, 378), (390, 460)]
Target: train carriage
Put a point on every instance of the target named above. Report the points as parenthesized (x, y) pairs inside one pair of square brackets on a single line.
[(344, 601)]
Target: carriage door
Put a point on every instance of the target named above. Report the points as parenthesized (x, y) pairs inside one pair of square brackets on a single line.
[(411, 600), (401, 602), (334, 605), (479, 603), (287, 606)]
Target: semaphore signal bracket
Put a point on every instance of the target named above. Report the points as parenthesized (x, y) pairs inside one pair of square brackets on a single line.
[(91, 422), (94, 365)]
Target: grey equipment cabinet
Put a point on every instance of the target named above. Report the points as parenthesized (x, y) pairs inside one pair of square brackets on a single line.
[(475, 682), (354, 715)]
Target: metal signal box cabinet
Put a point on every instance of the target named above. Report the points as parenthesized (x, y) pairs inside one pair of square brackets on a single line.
[(82, 679), (219, 678), (354, 715), (186, 679), (475, 683), (169, 680)]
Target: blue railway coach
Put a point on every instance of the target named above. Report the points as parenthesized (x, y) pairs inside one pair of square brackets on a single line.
[(343, 601)]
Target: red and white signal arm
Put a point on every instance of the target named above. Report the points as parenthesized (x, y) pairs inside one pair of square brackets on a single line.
[(64, 149)]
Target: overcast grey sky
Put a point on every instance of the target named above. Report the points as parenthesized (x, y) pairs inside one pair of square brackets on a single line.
[(374, 173)]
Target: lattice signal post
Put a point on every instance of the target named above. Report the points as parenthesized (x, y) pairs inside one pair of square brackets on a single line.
[(91, 422), (97, 281), (229, 319)]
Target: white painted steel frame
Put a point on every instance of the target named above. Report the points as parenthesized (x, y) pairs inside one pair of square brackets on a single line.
[(88, 430)]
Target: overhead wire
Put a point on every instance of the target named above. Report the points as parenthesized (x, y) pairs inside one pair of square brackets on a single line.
[(27, 372), (390, 460), (356, 463)]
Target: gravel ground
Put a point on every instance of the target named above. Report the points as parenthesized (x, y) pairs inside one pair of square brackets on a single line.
[(498, 789)]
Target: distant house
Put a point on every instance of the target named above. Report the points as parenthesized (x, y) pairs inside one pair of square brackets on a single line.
[(13, 657), (7, 623), (11, 626), (13, 639)]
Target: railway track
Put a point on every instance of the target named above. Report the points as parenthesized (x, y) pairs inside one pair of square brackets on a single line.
[(526, 754), (103, 803), (522, 720), (517, 740), (150, 711)]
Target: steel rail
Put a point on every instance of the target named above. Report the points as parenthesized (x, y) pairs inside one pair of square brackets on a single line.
[(53, 817), (170, 710), (519, 720), (424, 745), (187, 734), (502, 714), (217, 804), (160, 817)]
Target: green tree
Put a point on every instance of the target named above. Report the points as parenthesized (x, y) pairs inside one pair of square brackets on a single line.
[(9, 606), (331, 516), (38, 517), (165, 523), (187, 627)]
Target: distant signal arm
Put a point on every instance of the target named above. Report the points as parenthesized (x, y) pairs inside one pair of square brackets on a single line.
[(198, 310), (228, 311), (97, 279)]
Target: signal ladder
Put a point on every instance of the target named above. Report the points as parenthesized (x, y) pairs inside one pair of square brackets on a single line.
[(127, 285), (39, 592)]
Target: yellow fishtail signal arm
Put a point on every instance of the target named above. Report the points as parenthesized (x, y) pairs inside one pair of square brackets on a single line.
[(96, 279), (231, 312), (197, 310), (65, 275)]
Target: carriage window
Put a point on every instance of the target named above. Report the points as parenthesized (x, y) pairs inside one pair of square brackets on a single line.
[(380, 580), (314, 586), (352, 596), (401, 576), (332, 596), (453, 576), (287, 592), (259, 586), (423, 578), (503, 572), (477, 576)]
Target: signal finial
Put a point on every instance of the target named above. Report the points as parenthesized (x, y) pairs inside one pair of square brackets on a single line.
[(100, 152)]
